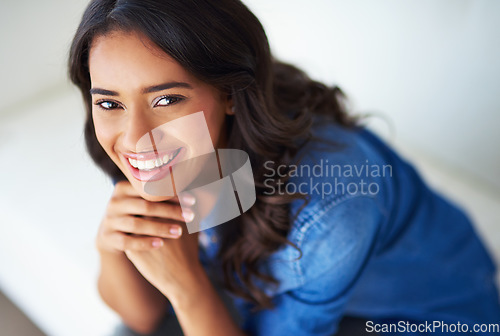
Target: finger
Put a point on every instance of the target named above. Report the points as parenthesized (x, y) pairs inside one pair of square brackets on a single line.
[(146, 226), (141, 207), (188, 199), (124, 188), (174, 200), (122, 241)]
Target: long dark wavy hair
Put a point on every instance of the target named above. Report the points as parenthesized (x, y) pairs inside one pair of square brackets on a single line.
[(223, 44)]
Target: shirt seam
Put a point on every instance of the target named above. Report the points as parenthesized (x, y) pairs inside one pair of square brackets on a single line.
[(305, 223)]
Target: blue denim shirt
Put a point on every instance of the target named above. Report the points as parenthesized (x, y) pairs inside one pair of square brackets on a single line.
[(382, 246)]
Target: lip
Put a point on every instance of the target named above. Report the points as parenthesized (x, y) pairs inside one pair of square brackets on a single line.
[(149, 155), (154, 174)]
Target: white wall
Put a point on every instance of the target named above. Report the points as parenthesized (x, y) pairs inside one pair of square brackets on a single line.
[(431, 67), (34, 43)]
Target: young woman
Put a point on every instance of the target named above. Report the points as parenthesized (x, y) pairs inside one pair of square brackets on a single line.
[(341, 226)]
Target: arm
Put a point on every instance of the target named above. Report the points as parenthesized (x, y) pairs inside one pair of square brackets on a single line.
[(337, 243), (200, 311), (177, 273), (140, 305), (127, 225)]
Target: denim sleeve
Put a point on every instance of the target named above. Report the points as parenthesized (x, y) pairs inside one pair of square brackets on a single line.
[(336, 241)]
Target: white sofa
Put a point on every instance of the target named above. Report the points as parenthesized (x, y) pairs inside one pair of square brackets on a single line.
[(51, 201)]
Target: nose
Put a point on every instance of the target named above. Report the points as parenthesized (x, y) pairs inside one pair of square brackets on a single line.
[(140, 133)]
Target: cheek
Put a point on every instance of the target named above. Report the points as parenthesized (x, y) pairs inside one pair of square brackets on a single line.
[(214, 122), (215, 118), (105, 134)]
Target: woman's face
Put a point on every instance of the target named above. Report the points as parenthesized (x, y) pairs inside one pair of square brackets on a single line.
[(137, 88)]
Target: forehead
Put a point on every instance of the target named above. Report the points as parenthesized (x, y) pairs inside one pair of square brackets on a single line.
[(130, 59)]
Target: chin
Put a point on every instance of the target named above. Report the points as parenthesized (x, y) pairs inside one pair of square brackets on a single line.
[(149, 197), (137, 185)]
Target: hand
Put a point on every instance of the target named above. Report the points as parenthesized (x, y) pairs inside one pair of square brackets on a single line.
[(138, 228), (132, 223), (173, 267)]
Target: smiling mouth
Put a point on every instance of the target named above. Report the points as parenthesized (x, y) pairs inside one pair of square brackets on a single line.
[(153, 164)]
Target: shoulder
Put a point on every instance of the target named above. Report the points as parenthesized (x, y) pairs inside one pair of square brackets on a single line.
[(339, 163), (336, 229), (336, 236)]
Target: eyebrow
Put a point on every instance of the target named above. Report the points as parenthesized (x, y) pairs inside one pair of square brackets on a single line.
[(149, 89)]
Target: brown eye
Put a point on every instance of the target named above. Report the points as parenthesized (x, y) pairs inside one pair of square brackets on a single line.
[(168, 100), (107, 105)]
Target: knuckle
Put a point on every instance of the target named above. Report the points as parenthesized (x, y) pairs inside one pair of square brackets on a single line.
[(137, 244), (108, 224), (120, 188), (142, 244), (133, 224), (146, 206), (121, 242), (112, 204), (120, 184), (117, 191)]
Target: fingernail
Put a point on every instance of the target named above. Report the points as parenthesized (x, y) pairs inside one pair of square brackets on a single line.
[(176, 230), (188, 215), (157, 243), (188, 199)]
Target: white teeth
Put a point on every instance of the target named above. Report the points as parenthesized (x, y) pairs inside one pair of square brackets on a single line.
[(133, 162), (151, 164)]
